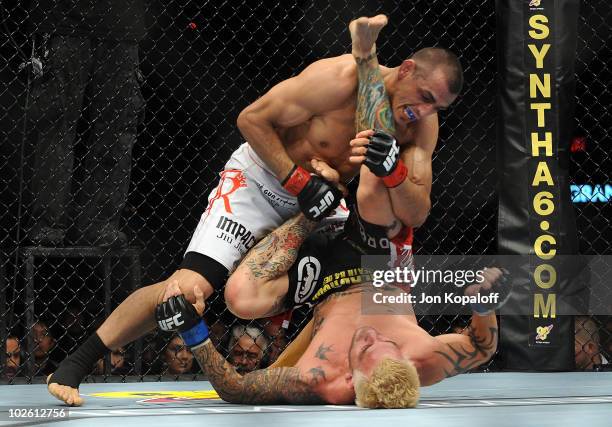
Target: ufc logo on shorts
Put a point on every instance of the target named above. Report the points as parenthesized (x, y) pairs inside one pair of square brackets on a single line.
[(326, 202), (391, 157), (171, 323)]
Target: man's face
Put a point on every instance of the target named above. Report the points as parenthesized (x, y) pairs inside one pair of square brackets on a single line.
[(13, 357), (246, 355), (419, 94), (369, 347), (42, 339), (178, 357)]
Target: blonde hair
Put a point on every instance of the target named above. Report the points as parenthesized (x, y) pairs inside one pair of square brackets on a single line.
[(393, 384)]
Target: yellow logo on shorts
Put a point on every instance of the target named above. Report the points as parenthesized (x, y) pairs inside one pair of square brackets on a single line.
[(543, 332), (174, 395)]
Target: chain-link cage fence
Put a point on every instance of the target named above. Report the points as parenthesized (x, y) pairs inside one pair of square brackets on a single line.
[(116, 118), (591, 166)]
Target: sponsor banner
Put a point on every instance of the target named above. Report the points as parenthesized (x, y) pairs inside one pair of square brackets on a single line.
[(536, 57), (591, 193)]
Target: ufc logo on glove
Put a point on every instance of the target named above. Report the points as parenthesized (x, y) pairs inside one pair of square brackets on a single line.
[(325, 202), (391, 158), (170, 323)]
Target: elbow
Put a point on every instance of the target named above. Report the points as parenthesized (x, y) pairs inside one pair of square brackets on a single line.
[(488, 355), (244, 120), (251, 124), (247, 121), (489, 349), (228, 397)]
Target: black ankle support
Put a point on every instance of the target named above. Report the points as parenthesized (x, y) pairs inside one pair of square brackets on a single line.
[(75, 367)]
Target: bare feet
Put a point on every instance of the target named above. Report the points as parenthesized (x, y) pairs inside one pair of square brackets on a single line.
[(68, 395), (364, 32)]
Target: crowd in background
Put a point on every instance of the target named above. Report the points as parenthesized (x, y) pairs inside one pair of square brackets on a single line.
[(247, 346)]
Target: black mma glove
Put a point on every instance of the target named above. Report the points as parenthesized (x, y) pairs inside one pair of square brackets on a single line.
[(489, 296), (176, 314), (316, 196), (383, 159)]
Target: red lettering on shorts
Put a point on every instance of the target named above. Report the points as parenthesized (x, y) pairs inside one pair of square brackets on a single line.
[(231, 180), (401, 253)]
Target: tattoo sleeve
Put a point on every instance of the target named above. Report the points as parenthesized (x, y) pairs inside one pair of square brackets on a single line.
[(276, 253), (264, 386), (373, 106)]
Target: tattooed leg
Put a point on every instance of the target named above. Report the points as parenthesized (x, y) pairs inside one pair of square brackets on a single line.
[(373, 106), (276, 253), (373, 111), (258, 286)]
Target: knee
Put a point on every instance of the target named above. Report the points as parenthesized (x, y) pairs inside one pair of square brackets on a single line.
[(187, 281), (239, 297)]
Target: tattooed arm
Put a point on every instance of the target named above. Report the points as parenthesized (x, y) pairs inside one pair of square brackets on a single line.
[(458, 353), (264, 386)]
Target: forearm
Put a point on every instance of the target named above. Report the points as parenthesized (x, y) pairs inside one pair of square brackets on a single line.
[(265, 141), (374, 202), (265, 386), (410, 203), (460, 353), (373, 106), (482, 331), (274, 255)]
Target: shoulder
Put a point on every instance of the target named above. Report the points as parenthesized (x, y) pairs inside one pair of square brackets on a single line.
[(339, 71), (342, 66)]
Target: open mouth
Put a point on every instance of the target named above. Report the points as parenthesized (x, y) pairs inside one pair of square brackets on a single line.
[(410, 114)]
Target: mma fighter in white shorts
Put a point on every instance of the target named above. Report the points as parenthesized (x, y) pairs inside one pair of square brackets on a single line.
[(273, 176)]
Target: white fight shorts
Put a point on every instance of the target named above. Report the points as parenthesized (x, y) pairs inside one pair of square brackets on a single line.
[(247, 204)]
